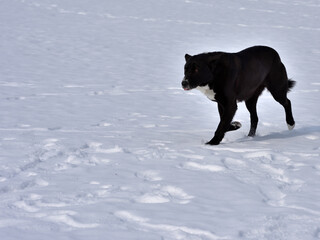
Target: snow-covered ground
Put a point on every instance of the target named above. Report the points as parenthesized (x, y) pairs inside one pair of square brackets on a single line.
[(99, 141)]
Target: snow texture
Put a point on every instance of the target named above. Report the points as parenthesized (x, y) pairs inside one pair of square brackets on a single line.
[(99, 141)]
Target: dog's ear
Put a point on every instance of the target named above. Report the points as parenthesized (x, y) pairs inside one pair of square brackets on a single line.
[(187, 57)]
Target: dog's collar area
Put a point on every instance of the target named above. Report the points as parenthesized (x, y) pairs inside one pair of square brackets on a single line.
[(206, 90)]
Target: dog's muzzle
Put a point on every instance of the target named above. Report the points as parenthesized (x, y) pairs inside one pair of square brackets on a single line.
[(185, 84)]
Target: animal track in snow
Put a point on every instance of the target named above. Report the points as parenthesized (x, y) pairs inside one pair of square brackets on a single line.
[(168, 231), (232, 163), (39, 182), (190, 156), (165, 194), (149, 175), (25, 206), (311, 137), (95, 146), (203, 167), (276, 173), (89, 154), (259, 154), (273, 196), (67, 218), (236, 150)]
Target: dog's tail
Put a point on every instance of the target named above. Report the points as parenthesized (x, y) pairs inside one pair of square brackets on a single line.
[(291, 84)]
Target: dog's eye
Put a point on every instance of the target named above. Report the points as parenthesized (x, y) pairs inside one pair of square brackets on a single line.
[(191, 69), (195, 68)]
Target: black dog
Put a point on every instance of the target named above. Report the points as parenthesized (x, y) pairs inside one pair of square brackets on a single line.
[(230, 77)]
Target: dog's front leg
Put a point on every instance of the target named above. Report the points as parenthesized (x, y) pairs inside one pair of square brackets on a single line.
[(229, 111)]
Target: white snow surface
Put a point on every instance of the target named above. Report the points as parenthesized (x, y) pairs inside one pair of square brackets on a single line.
[(99, 141)]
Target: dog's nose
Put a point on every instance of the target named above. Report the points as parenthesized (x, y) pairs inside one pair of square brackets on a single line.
[(185, 84)]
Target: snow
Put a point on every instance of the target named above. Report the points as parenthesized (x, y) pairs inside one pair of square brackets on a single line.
[(99, 141)]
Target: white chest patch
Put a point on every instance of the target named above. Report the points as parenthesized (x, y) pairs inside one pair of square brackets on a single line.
[(208, 92)]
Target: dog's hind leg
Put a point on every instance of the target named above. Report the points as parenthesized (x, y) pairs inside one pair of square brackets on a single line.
[(251, 105), (286, 103), (278, 85)]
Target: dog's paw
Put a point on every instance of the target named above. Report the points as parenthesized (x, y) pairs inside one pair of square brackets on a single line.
[(252, 133), (214, 141), (236, 125), (291, 127)]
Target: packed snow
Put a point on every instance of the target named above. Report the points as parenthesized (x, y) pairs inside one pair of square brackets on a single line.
[(99, 141)]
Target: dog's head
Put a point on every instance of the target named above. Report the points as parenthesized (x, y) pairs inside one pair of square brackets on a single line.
[(197, 72)]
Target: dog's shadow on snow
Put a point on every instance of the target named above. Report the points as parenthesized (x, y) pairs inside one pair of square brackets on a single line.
[(303, 131)]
